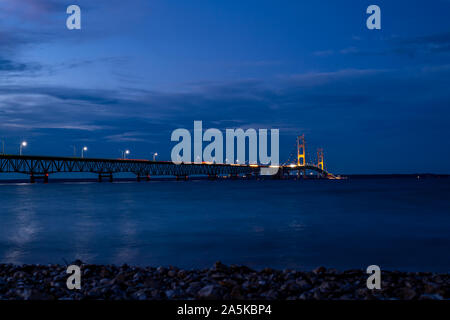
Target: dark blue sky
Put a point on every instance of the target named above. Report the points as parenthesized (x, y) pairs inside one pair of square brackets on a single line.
[(377, 101)]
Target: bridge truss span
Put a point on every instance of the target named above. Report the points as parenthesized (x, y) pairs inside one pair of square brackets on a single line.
[(40, 167), (44, 165)]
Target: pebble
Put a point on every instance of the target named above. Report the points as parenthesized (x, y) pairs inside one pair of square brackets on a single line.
[(37, 282)]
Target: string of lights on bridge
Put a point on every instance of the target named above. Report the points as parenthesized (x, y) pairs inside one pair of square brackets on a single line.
[(84, 149)]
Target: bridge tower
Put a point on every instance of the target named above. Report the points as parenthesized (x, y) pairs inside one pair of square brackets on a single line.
[(301, 154), (320, 158), (301, 150)]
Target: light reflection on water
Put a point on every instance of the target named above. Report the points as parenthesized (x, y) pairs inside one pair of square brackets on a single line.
[(395, 223), (25, 226)]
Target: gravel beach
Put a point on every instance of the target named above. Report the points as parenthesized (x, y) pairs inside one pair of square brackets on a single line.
[(39, 282)]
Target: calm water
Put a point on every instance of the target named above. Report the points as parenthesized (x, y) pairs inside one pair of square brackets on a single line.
[(395, 223)]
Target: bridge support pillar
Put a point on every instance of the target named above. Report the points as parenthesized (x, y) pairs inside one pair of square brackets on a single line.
[(108, 176), (44, 178), (301, 174), (279, 175), (139, 177)]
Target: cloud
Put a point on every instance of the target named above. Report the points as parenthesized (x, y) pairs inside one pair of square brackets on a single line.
[(349, 50), (323, 53), (30, 9), (128, 137), (425, 45), (436, 43), (316, 95), (9, 39), (10, 66)]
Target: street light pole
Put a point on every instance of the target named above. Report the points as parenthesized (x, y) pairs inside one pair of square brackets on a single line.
[(22, 145), (155, 155), (125, 153), (82, 151)]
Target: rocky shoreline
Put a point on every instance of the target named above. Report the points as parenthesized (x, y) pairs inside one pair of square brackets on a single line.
[(39, 282)]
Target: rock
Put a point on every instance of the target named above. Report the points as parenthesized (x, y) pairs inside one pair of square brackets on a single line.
[(303, 285), (182, 274), (326, 286), (408, 294), (332, 271), (271, 295), (19, 275), (32, 282), (220, 267), (290, 286), (170, 294), (140, 295), (430, 297), (138, 276), (229, 283), (437, 279), (161, 270), (246, 285), (210, 292), (431, 287), (171, 273), (319, 270), (305, 296), (77, 262), (218, 275), (347, 287), (119, 279), (317, 295), (267, 271), (236, 293), (33, 294)]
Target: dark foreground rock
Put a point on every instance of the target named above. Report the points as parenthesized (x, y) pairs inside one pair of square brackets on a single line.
[(37, 282)]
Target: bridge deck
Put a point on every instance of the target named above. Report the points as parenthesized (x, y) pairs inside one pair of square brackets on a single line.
[(45, 165)]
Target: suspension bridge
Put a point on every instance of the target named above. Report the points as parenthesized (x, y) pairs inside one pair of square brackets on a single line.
[(41, 167)]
